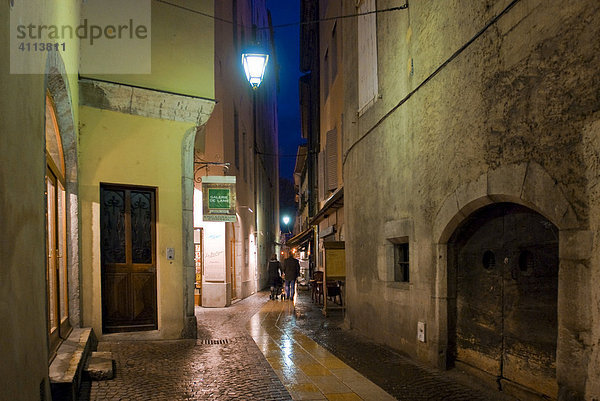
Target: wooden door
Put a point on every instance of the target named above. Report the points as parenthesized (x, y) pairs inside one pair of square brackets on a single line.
[(128, 253), (506, 296)]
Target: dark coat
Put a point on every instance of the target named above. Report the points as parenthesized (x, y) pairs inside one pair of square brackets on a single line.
[(274, 270), (291, 269)]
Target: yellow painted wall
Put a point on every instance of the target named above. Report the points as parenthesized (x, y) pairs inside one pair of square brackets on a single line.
[(24, 362), (124, 149), (182, 51)]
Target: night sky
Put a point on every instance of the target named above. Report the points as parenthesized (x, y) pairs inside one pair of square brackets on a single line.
[(287, 46)]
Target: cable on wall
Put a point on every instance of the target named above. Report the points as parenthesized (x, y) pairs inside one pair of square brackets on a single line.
[(430, 77)]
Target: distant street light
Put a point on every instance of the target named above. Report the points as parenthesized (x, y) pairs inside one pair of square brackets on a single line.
[(255, 63), (286, 222)]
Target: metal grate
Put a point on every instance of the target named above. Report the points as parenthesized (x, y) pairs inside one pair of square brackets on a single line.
[(212, 342)]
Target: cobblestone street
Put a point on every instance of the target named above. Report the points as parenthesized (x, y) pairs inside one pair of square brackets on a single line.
[(225, 363)]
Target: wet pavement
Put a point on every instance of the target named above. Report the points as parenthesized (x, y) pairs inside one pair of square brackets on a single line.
[(223, 364), (397, 374), (274, 350), (308, 370)]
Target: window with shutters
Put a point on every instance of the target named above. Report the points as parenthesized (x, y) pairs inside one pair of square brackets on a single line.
[(334, 59), (322, 175), (367, 61), (332, 160), (326, 74), (245, 155), (236, 137)]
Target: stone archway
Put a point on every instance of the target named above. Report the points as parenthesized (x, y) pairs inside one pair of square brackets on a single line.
[(528, 185)]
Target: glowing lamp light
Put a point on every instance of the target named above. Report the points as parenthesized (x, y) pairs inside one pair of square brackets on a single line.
[(255, 63), (286, 220)]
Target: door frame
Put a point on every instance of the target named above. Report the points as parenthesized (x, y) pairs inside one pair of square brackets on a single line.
[(57, 256), (127, 188)]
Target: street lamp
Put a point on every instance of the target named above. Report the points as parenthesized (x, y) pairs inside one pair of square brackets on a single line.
[(286, 221), (255, 63)]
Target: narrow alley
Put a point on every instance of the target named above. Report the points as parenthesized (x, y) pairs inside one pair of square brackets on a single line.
[(272, 350), (426, 172)]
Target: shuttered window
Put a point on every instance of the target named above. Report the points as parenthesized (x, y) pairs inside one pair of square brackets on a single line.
[(334, 56), (326, 74), (367, 60), (322, 175), (236, 138), (332, 159)]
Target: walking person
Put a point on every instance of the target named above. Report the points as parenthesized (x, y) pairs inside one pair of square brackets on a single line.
[(274, 272), (291, 270)]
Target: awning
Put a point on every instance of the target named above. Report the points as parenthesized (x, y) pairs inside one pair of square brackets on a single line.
[(335, 201), (300, 238)]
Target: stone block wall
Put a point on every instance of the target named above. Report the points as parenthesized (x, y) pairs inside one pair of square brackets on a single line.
[(479, 103)]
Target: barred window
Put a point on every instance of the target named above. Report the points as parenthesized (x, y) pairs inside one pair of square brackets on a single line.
[(401, 262)]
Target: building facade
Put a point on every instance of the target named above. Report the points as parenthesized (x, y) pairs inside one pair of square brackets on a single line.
[(470, 170), (318, 175), (98, 184), (239, 140), (330, 213), (306, 171)]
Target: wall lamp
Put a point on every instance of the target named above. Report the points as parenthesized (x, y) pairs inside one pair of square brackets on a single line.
[(254, 61)]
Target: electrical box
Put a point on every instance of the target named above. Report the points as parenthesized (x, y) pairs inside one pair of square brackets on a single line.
[(421, 331), (170, 253)]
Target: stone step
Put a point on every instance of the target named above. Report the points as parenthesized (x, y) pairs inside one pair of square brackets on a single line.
[(100, 366), (66, 369)]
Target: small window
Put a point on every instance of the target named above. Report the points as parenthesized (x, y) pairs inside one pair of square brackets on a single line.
[(333, 53), (401, 262), (526, 263), (489, 260), (326, 74)]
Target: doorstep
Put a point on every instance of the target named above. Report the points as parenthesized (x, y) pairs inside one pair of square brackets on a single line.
[(67, 367)]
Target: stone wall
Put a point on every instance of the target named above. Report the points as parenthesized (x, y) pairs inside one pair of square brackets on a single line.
[(512, 116)]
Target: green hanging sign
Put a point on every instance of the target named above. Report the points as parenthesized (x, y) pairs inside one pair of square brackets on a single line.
[(218, 198)]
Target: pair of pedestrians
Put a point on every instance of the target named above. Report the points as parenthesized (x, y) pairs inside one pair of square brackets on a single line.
[(290, 270)]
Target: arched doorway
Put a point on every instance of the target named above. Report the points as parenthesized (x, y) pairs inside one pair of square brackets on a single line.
[(56, 232), (502, 289)]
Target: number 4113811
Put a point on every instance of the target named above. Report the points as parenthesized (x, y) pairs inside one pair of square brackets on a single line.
[(42, 47)]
